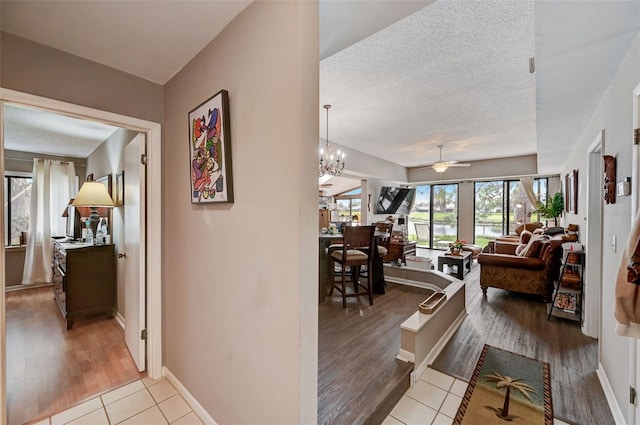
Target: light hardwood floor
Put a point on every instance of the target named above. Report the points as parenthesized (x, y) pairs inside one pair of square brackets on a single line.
[(50, 369)]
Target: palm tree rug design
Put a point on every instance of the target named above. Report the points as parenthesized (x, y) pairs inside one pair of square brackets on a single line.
[(507, 388)]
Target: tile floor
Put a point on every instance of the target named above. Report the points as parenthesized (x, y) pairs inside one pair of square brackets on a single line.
[(434, 399), (141, 402)]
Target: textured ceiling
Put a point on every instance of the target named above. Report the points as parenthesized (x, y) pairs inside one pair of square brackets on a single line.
[(150, 39), (454, 73), (31, 130)]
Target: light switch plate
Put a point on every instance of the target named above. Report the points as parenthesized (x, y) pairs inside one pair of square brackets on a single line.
[(614, 241)]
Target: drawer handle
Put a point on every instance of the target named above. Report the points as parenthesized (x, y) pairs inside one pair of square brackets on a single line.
[(122, 255)]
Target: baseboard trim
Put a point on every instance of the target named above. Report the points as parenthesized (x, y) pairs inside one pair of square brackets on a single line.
[(21, 287), (191, 400), (406, 356), (437, 348), (609, 394), (119, 319)]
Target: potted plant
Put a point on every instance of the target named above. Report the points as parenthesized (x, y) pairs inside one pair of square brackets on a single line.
[(456, 246), (552, 209)]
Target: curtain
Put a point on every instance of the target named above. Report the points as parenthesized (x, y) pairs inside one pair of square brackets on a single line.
[(54, 184), (527, 185)]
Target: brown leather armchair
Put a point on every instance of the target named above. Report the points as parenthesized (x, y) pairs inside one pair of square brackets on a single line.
[(530, 275)]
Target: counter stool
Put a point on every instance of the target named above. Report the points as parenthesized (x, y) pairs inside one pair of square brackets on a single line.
[(354, 254)]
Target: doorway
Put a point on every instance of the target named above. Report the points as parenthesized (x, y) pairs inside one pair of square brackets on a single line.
[(152, 241)]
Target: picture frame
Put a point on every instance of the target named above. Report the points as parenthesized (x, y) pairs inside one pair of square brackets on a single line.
[(210, 168), (571, 192), (118, 198), (89, 177), (107, 182)]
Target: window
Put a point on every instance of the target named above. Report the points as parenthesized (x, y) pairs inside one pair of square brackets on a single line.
[(434, 217), (349, 205), (501, 206), (17, 189)]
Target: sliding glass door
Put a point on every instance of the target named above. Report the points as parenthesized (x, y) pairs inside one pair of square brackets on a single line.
[(501, 206), (433, 222)]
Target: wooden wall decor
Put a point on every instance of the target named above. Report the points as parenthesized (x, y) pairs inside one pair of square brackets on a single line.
[(609, 179)]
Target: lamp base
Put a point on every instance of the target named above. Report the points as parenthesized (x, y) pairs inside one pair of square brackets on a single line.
[(94, 219)]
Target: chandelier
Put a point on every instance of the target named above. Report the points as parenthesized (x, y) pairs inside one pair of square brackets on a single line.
[(331, 162)]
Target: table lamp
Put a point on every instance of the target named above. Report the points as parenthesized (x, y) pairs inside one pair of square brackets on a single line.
[(93, 195)]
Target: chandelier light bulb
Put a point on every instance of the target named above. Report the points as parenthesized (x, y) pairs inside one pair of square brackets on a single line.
[(328, 164)]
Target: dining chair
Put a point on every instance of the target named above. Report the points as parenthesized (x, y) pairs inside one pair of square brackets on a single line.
[(354, 254), (383, 237)]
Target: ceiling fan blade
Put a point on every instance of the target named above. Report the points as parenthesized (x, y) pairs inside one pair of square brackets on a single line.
[(458, 164)]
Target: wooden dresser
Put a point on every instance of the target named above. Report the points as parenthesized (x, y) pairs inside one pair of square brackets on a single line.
[(398, 250), (84, 279)]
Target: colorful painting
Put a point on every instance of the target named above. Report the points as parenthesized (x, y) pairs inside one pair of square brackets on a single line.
[(210, 151)]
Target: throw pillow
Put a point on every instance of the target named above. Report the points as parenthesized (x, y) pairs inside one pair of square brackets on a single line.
[(533, 238), (525, 237), (534, 249), (554, 230)]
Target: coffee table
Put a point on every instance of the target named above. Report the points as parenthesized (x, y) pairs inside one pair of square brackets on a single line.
[(462, 263)]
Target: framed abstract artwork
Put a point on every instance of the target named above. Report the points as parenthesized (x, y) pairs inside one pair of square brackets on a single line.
[(210, 151)]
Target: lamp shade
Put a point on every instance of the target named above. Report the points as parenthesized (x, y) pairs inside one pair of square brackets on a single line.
[(93, 194)]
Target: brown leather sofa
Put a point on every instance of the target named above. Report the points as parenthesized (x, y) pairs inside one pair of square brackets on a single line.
[(504, 269)]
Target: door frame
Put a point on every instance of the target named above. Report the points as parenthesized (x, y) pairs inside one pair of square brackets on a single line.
[(152, 130), (593, 290), (634, 344)]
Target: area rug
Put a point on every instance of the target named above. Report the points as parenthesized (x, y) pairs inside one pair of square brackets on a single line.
[(507, 387)]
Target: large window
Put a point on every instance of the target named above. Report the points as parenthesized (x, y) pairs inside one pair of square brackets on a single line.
[(433, 221), (17, 189), (501, 206), (349, 205)]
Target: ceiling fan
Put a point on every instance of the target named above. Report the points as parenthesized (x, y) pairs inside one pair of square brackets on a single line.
[(441, 166)]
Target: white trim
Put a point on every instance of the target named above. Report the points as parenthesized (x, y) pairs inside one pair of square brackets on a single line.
[(119, 319), (154, 211), (437, 348), (618, 417), (634, 345), (593, 239), (3, 344), (191, 400), (406, 356)]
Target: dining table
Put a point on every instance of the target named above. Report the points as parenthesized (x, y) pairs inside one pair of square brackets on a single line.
[(325, 240)]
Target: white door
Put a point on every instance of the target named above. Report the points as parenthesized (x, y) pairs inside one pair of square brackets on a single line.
[(634, 360), (134, 248)]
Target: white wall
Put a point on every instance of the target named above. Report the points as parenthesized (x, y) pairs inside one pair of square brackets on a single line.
[(108, 159), (614, 115), (240, 287)]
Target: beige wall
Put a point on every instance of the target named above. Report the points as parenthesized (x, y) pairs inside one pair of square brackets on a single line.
[(108, 159), (14, 262), (23, 162), (40, 70), (614, 114), (240, 287)]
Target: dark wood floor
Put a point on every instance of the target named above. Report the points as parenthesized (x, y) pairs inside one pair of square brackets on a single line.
[(518, 323), (359, 377), (50, 369), (358, 344)]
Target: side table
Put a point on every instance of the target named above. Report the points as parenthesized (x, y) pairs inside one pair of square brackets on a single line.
[(462, 263)]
